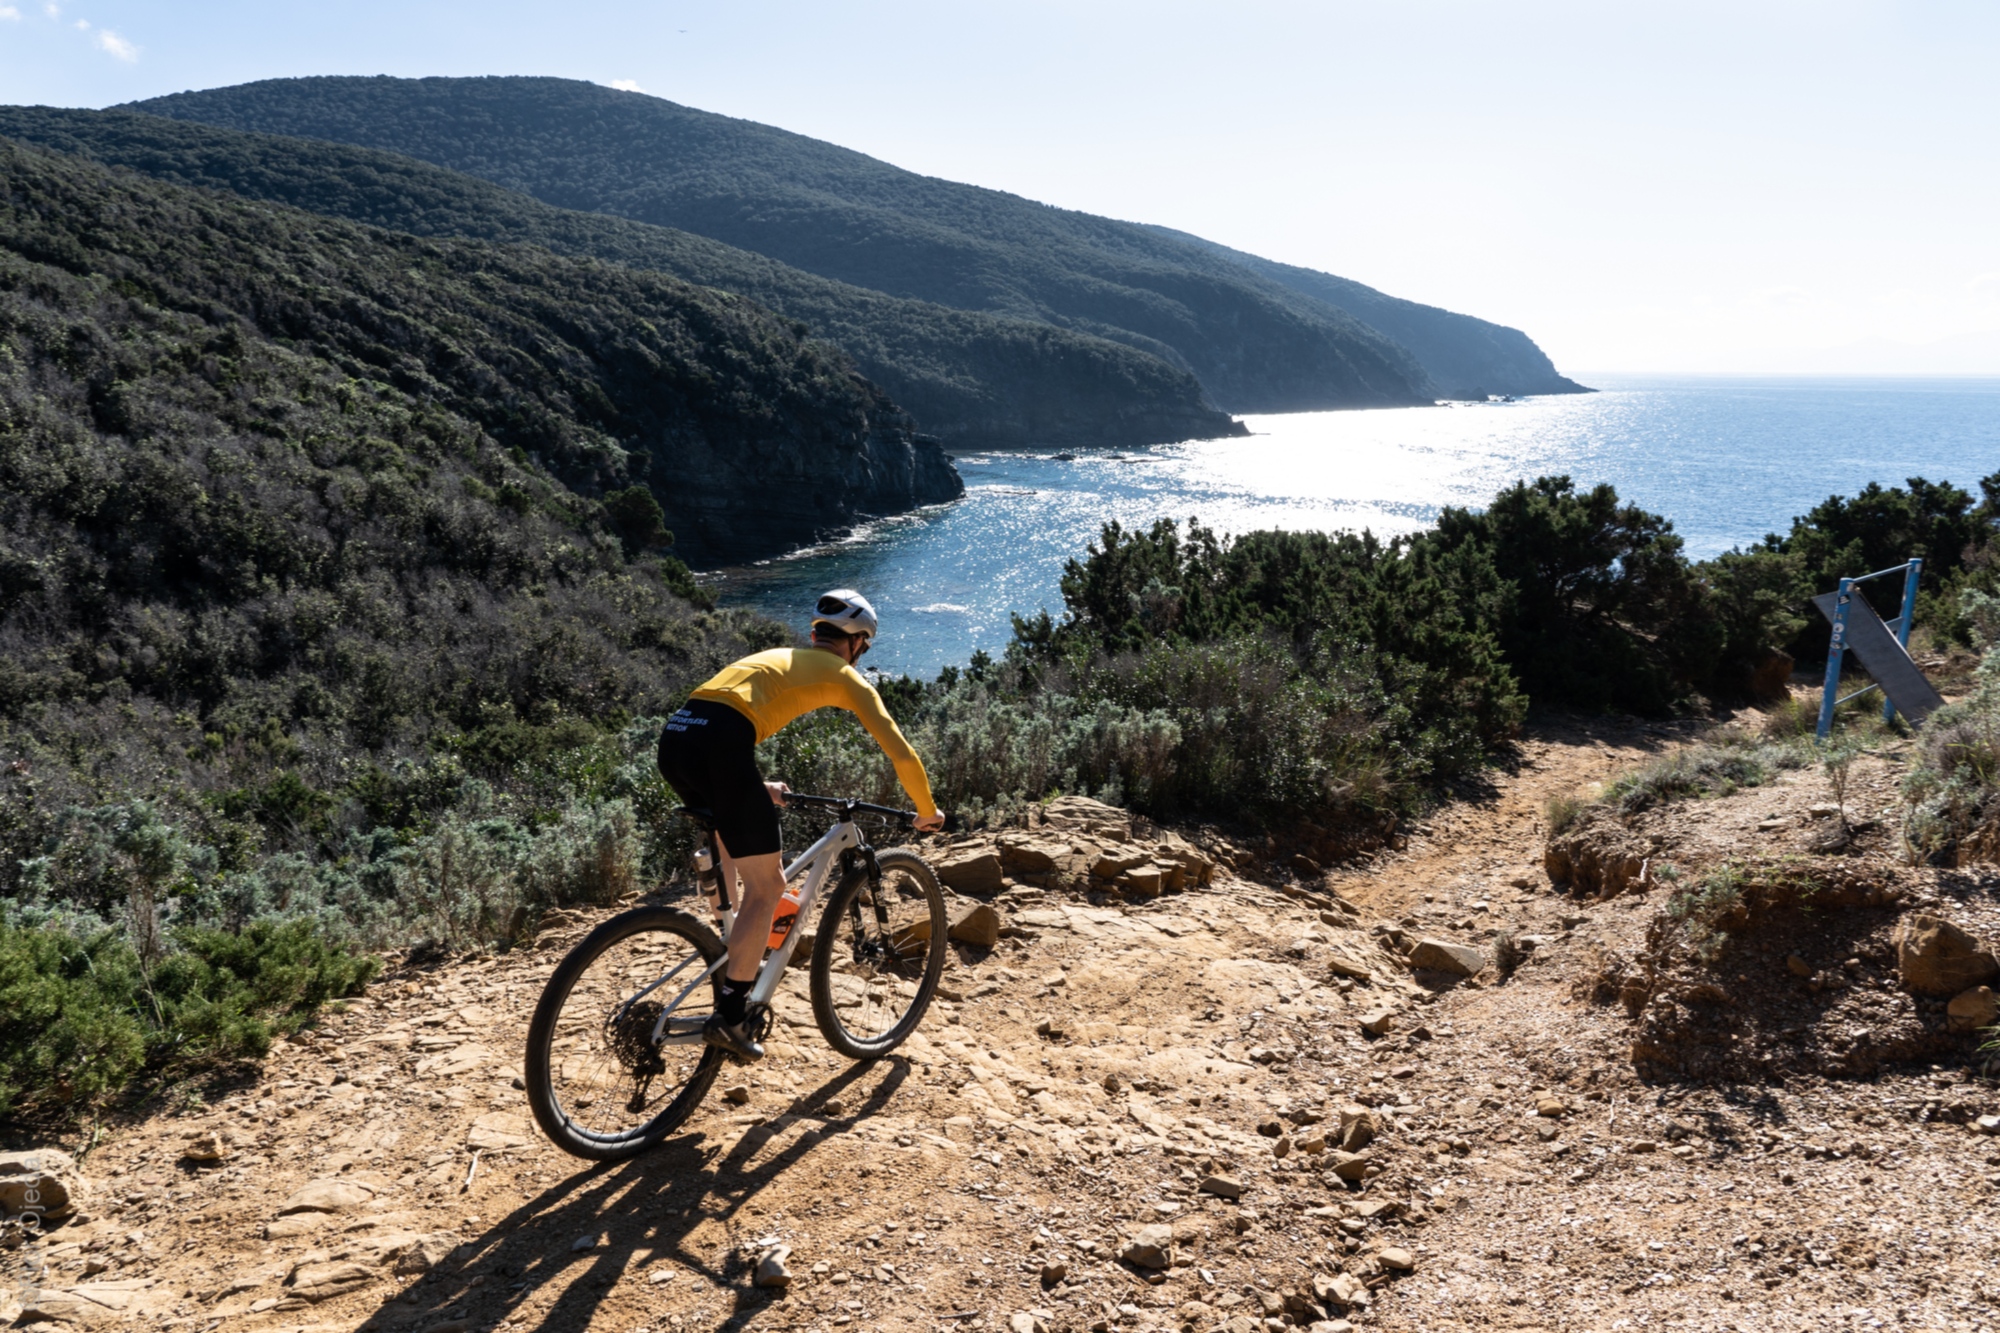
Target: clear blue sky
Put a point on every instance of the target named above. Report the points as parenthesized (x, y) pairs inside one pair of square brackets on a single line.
[(1641, 186)]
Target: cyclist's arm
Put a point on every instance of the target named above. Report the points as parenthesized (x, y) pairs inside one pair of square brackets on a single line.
[(866, 704)]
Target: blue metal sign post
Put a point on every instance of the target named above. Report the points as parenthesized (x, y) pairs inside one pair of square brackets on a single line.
[(1890, 665), (1829, 693), (1903, 619)]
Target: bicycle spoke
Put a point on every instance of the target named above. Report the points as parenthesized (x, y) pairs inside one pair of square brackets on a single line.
[(884, 947), (607, 1075)]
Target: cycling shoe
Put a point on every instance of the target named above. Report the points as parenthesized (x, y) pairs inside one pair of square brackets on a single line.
[(735, 1038)]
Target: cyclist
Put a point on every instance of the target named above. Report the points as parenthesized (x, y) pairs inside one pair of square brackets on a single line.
[(707, 754)]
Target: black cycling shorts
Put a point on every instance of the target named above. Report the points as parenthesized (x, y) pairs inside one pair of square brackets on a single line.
[(708, 752)]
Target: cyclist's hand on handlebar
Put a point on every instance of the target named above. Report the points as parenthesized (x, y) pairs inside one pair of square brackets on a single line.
[(779, 791), (929, 823)]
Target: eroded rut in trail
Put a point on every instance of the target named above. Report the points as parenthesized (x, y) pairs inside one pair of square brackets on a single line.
[(1217, 1108)]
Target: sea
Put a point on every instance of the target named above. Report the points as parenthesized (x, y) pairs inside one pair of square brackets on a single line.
[(1727, 459)]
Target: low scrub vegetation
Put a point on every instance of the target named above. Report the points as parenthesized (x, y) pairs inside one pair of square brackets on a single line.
[(1726, 761), (1952, 793)]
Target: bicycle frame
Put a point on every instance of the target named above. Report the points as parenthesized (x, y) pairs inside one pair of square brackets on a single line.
[(818, 862)]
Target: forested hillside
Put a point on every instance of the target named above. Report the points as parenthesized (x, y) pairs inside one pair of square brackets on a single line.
[(266, 474), (751, 436), (976, 380), (1255, 344), (1465, 357)]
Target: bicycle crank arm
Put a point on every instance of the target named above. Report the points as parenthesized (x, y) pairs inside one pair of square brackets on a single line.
[(681, 1032)]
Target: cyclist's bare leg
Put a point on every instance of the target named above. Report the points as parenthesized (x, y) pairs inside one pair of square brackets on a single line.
[(763, 884)]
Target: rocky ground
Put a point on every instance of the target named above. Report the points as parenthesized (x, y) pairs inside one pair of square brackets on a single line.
[(1231, 1105)]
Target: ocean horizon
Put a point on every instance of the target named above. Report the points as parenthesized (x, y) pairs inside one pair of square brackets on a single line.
[(1726, 458)]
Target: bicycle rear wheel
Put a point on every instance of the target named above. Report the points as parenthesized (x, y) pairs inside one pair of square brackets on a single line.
[(600, 1086), (879, 953)]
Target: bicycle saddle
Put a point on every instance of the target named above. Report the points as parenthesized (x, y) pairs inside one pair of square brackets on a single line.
[(704, 817)]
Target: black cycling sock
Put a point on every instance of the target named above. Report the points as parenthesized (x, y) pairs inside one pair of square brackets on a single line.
[(730, 999)]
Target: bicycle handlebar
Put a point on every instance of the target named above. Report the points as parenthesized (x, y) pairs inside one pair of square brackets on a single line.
[(850, 807)]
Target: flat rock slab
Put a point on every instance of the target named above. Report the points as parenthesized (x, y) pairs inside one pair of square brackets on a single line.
[(319, 1282), (460, 1059), (91, 1302), (496, 1130), (327, 1196)]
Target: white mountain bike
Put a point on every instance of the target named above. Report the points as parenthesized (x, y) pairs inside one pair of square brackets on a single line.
[(615, 1058)]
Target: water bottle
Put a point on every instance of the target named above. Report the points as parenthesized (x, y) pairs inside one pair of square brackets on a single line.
[(707, 880), (787, 916)]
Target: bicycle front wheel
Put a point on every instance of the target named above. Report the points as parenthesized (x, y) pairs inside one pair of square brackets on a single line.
[(615, 1061), (880, 950)]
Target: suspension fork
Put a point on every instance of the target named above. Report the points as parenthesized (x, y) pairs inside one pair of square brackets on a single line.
[(865, 856)]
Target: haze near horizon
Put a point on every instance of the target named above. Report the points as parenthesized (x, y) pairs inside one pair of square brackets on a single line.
[(1782, 188)]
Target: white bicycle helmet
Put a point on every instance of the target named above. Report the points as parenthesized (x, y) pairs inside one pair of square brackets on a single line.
[(847, 611)]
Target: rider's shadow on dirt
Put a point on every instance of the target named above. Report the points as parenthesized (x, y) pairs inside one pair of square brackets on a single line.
[(644, 1210)]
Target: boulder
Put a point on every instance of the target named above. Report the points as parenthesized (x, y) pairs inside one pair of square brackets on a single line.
[(1112, 864), (1769, 677), (407, 1253), (209, 1146), (1938, 958), (1195, 866), (1973, 1009), (1460, 960), (1358, 1128), (1144, 881), (1347, 1289), (771, 1269), (1150, 1247), (973, 869), (1350, 1166), (1377, 1022), (1092, 818), (1031, 856), (1223, 1187), (1348, 963), (43, 1182), (979, 926)]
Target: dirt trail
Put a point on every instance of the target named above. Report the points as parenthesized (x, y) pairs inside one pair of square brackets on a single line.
[(1520, 1174)]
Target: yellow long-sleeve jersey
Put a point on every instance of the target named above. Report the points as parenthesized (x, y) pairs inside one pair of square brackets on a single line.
[(774, 688)]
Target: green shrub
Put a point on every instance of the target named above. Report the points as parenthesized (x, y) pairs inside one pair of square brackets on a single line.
[(71, 1029), (81, 1015)]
